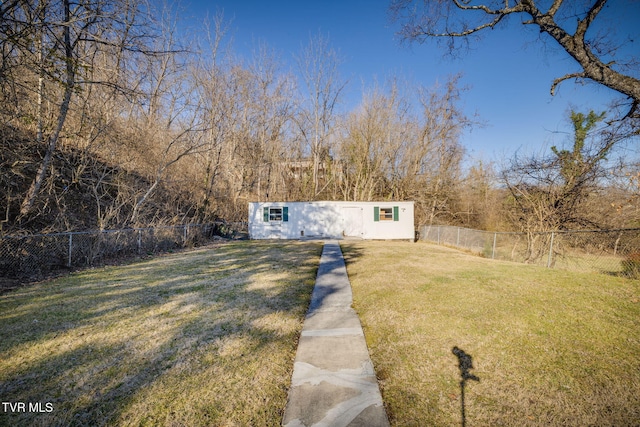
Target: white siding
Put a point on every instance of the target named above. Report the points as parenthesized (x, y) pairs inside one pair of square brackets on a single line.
[(332, 220)]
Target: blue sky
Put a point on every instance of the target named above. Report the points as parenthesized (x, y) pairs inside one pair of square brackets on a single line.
[(508, 73)]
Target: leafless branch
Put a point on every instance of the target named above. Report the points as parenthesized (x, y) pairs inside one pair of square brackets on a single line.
[(559, 80)]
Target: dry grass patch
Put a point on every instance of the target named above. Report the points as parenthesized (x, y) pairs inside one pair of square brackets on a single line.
[(201, 338), (550, 347)]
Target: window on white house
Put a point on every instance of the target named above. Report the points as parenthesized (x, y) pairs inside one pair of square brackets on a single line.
[(386, 214), (276, 214)]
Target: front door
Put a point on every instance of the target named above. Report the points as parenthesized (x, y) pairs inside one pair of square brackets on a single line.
[(352, 217)]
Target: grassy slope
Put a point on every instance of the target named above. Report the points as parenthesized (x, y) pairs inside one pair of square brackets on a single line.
[(206, 337), (550, 347)]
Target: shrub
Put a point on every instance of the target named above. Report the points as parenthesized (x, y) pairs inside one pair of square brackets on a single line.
[(631, 265)]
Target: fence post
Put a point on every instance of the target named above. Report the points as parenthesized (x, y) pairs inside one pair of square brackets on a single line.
[(493, 250), (458, 238), (70, 247), (139, 242), (438, 234), (550, 250), (184, 237)]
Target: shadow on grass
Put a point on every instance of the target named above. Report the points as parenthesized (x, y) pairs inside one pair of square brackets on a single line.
[(92, 344), (351, 251), (465, 364)]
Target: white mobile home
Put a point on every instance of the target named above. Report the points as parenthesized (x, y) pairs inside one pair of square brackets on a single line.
[(333, 220)]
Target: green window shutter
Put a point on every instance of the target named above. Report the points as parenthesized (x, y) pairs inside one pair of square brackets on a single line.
[(396, 212), (285, 213), (376, 213), (266, 214)]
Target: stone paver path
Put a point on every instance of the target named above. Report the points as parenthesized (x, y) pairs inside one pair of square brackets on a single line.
[(333, 382)]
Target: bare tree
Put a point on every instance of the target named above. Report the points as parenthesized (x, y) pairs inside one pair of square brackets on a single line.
[(362, 147), (246, 111), (596, 52), (438, 153), (548, 193), (214, 86), (318, 65), (49, 49), (482, 198), (60, 30), (400, 146), (166, 116), (272, 111)]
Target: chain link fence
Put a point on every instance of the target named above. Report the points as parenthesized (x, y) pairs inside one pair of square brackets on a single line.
[(603, 251), (33, 256)]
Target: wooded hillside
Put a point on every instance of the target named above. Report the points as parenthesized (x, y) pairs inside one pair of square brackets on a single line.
[(111, 118)]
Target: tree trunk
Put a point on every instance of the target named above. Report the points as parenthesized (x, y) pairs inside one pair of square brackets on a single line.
[(34, 189)]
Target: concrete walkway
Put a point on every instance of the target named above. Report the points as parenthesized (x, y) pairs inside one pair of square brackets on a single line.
[(333, 382)]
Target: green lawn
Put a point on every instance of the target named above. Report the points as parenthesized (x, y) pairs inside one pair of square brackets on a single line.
[(550, 347), (205, 337), (208, 337)]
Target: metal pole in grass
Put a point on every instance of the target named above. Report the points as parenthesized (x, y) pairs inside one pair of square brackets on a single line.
[(493, 250), (550, 251), (465, 363), (70, 246)]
